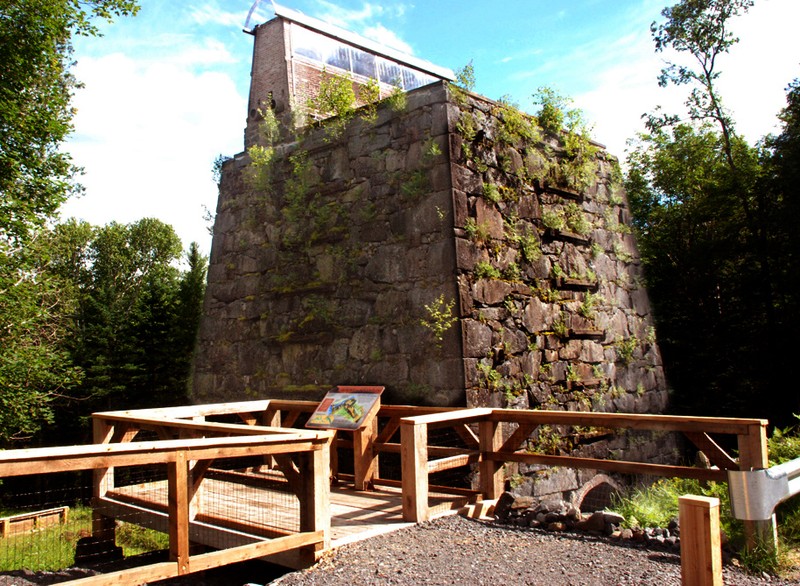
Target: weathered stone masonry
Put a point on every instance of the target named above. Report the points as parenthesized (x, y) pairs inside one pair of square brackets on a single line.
[(322, 275)]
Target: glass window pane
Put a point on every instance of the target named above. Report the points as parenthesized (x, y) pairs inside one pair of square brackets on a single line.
[(390, 72), (303, 44), (363, 63), (338, 57), (414, 79)]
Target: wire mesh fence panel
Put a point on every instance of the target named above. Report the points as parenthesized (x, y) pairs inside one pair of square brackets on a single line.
[(39, 529), (252, 498), (154, 503)]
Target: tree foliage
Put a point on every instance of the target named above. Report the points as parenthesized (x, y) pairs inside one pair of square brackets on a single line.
[(715, 236), (36, 89), (36, 177), (34, 369), (136, 315)]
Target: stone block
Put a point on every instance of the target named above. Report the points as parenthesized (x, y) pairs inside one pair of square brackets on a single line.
[(466, 180), (591, 351), (489, 217), (528, 206), (477, 338), (515, 341), (386, 267), (363, 342), (467, 255), (491, 291)]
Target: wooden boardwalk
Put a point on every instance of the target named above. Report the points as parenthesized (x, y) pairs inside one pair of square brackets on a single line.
[(239, 508), (357, 515)]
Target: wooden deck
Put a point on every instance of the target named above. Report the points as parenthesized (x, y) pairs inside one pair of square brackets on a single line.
[(244, 508), (358, 515), (279, 503)]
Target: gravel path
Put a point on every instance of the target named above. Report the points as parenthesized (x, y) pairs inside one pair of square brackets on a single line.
[(455, 550)]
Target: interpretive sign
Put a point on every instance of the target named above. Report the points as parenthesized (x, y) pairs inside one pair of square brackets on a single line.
[(346, 408)]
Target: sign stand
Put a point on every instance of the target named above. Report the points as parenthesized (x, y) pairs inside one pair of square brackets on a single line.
[(353, 409)]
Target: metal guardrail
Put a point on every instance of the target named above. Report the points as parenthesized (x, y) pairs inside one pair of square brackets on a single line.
[(755, 493)]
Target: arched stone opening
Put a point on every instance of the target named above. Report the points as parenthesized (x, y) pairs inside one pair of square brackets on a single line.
[(596, 494)]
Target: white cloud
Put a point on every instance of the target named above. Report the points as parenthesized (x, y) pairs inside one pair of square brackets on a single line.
[(348, 18), (761, 65), (753, 80), (211, 14), (210, 52), (364, 20), (147, 135), (388, 38)]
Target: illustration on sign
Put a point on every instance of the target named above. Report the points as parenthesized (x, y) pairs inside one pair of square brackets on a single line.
[(346, 410)]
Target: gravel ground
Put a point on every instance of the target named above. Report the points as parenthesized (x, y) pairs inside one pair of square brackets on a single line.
[(455, 550)]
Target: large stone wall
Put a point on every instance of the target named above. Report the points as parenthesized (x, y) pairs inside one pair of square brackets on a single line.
[(446, 251), (320, 276), (567, 324)]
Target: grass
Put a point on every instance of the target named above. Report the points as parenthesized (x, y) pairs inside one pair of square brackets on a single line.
[(53, 548), (135, 540), (656, 505)]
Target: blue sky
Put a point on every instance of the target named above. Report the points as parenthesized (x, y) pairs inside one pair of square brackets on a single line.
[(166, 92)]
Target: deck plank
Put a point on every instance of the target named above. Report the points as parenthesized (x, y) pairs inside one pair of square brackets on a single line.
[(263, 509)]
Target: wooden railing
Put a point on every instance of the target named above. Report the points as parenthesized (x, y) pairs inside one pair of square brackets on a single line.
[(303, 455), (502, 433), (192, 437), (490, 438), (381, 436)]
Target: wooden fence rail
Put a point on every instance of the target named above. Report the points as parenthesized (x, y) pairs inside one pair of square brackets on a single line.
[(497, 446), (186, 460), (192, 437)]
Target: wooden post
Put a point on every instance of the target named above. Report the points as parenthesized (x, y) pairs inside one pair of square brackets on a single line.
[(491, 472), (270, 418), (365, 461), (103, 528), (178, 503), (196, 491), (414, 466), (701, 555), (334, 471), (753, 455), (315, 500)]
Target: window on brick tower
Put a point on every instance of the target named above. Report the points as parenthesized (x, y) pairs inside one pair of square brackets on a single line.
[(328, 52)]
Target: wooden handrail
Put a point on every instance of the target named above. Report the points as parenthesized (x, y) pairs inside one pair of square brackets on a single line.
[(629, 421), (307, 451), (185, 411), (65, 459), (447, 418), (494, 452), (204, 426)]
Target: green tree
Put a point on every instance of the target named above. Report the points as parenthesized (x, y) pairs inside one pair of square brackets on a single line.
[(36, 89), (135, 320), (34, 370), (705, 217), (191, 292), (36, 177)]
